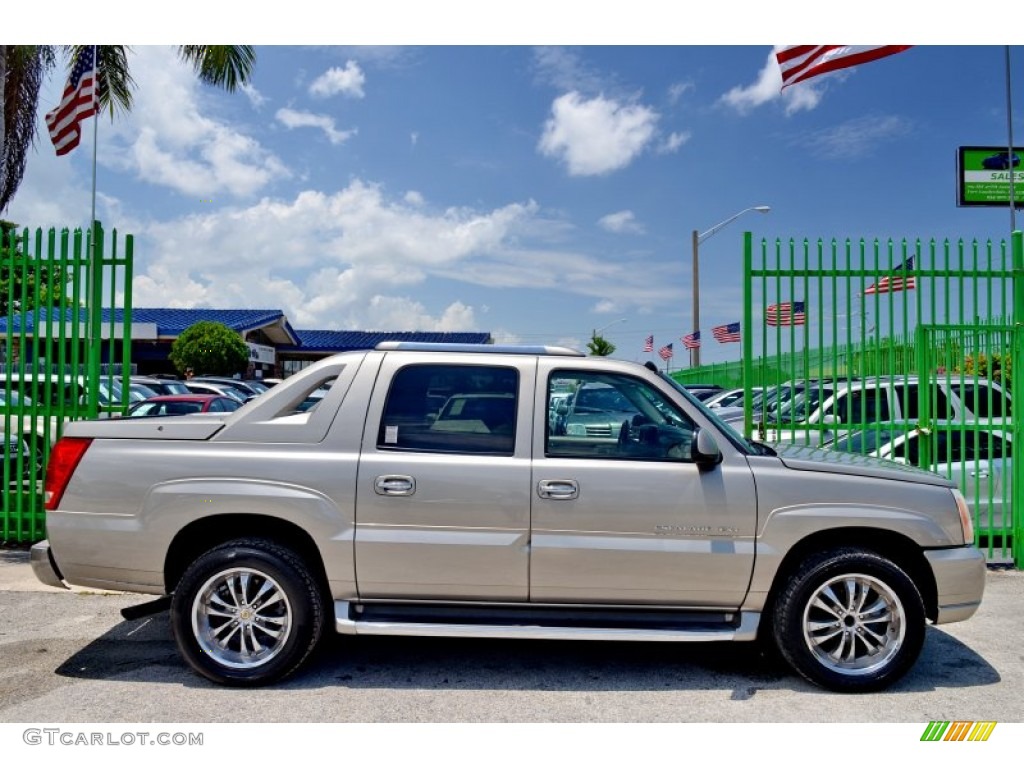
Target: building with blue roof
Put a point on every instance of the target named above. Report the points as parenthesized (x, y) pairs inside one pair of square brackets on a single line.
[(275, 347)]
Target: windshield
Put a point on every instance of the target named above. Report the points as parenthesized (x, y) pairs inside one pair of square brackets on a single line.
[(735, 437)]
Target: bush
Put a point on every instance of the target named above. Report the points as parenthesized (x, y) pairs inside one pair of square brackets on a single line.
[(210, 348)]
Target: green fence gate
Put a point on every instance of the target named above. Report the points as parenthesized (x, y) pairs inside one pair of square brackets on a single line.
[(63, 356), (903, 350)]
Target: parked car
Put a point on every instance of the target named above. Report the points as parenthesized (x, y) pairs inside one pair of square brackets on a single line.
[(731, 398), (596, 409), (822, 410), (265, 527), (139, 392), (177, 405), (704, 391), (977, 460), (212, 388), (161, 385), (250, 387)]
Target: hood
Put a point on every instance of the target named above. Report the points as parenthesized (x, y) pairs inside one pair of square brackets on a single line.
[(811, 459)]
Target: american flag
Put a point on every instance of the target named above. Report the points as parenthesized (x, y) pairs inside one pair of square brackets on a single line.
[(801, 62), (692, 340), (666, 352), (726, 333), (649, 344), (786, 313), (78, 103), (893, 283)]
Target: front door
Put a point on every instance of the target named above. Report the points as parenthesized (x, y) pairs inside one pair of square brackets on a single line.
[(621, 513)]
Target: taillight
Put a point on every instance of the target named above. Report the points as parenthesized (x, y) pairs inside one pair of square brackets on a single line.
[(63, 459)]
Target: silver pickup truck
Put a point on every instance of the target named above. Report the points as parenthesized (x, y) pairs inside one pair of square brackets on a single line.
[(421, 490)]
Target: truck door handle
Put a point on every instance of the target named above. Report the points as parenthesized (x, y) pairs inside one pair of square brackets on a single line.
[(980, 473), (558, 489), (394, 485)]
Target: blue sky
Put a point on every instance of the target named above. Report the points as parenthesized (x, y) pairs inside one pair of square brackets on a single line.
[(536, 192)]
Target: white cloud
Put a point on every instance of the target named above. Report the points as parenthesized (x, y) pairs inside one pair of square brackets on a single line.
[(676, 91), (768, 88), (596, 136), (292, 118), (348, 82), (256, 99), (167, 140), (854, 138), (674, 141), (353, 259), (621, 222)]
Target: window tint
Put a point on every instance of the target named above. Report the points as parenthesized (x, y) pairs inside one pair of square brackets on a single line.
[(862, 406), (451, 409), (982, 400), (610, 416), (909, 397)]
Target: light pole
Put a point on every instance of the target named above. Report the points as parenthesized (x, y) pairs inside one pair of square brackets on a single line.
[(605, 328), (698, 238), (594, 333)]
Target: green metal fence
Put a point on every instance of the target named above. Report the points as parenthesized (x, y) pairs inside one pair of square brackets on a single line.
[(60, 360), (901, 349)]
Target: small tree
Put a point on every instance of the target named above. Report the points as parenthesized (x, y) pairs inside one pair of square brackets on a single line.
[(599, 346), (209, 347), (52, 292)]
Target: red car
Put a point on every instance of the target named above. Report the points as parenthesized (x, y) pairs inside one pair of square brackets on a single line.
[(177, 405)]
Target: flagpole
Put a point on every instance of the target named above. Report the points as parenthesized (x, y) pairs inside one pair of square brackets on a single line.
[(1009, 126), (93, 269)]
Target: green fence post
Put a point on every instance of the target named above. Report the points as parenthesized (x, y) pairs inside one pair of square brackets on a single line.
[(1017, 359)]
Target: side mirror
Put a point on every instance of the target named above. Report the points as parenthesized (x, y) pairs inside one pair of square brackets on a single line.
[(562, 408), (829, 419), (704, 450)]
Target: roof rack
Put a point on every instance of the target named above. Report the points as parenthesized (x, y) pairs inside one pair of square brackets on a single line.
[(500, 349)]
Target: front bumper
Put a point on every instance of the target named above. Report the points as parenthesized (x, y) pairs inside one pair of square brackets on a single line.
[(44, 566), (959, 582)]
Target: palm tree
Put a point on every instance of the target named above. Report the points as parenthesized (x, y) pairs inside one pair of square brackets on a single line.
[(24, 67), (599, 346)]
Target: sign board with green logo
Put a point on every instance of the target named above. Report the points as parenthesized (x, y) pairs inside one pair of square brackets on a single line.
[(983, 176)]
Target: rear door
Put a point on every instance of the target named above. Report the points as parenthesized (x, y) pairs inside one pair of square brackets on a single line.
[(443, 499)]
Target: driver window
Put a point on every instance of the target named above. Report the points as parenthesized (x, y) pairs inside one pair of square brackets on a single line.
[(613, 416)]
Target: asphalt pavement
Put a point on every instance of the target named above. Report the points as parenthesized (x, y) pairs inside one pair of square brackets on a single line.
[(69, 657)]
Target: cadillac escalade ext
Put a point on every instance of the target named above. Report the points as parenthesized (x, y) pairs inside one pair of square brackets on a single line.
[(369, 511)]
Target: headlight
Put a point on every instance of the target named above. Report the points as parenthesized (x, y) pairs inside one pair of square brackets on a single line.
[(966, 521)]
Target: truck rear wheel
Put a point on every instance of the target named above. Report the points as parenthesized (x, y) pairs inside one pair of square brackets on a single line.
[(850, 620), (247, 613)]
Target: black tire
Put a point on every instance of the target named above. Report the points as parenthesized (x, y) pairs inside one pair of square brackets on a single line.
[(849, 620), (247, 613)]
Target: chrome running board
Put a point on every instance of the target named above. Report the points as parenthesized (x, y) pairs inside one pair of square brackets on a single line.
[(345, 625)]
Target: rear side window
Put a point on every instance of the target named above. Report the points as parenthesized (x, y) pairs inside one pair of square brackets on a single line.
[(981, 400), (451, 409)]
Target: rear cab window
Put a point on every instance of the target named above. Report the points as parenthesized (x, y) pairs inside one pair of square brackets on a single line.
[(451, 408)]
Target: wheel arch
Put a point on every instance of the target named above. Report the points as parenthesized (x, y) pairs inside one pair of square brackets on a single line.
[(901, 550), (206, 533)]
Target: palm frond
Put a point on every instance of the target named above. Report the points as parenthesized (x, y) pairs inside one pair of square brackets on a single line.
[(226, 66)]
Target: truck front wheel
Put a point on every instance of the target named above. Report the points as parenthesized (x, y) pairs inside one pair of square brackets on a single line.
[(247, 613), (850, 620)]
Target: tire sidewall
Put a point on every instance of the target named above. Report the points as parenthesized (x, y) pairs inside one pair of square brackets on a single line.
[(283, 567), (789, 617)]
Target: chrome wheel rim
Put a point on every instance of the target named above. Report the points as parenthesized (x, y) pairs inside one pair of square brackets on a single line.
[(854, 624), (241, 618)]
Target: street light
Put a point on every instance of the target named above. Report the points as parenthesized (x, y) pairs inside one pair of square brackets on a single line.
[(613, 322), (698, 238)]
